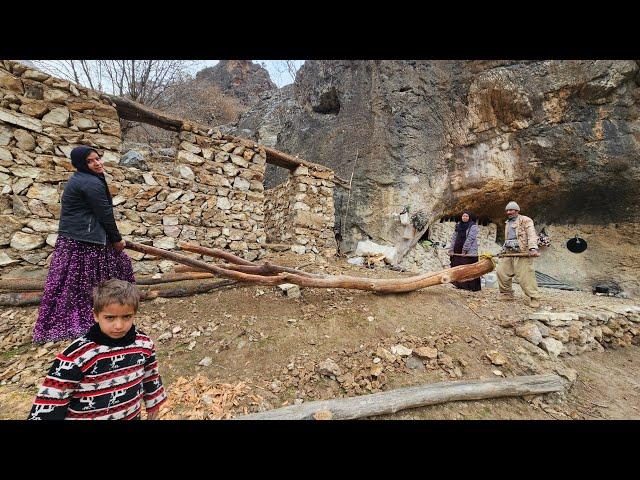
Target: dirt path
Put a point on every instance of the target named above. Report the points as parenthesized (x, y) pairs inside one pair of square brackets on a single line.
[(262, 350)]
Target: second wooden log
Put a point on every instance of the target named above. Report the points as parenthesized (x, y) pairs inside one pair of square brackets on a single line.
[(411, 397)]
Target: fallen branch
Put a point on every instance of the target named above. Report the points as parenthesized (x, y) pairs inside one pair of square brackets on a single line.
[(460, 273), (185, 291), (411, 397), (264, 269), (20, 299), (25, 299), (32, 284)]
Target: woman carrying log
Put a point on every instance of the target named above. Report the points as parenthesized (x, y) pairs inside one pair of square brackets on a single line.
[(464, 241), (89, 249)]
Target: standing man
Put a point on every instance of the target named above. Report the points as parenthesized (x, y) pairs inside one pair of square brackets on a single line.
[(520, 237)]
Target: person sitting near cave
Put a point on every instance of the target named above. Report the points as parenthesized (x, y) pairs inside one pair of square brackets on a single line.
[(463, 249)]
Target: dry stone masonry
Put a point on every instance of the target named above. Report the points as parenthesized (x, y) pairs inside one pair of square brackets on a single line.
[(41, 119), (300, 211), (572, 333), (211, 192)]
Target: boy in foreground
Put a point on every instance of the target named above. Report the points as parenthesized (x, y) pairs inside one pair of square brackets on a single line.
[(109, 371)]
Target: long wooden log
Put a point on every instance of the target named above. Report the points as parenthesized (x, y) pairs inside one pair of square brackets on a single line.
[(214, 252), (173, 277), (460, 273), (33, 284), (20, 299), (136, 112), (185, 291), (25, 299), (411, 397)]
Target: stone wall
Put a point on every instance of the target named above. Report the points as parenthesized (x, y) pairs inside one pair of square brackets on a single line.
[(212, 194), (300, 211), (228, 178), (41, 119), (572, 333)]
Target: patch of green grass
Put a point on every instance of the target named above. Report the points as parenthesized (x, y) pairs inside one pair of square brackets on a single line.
[(15, 351)]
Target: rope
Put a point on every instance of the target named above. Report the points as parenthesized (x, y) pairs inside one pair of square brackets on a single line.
[(490, 257)]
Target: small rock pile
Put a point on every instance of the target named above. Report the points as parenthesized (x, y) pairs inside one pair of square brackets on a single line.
[(364, 370), (572, 333)]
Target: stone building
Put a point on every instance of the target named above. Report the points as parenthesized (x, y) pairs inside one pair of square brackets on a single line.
[(213, 193)]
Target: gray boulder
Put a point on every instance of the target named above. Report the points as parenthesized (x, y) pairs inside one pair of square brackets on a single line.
[(135, 160)]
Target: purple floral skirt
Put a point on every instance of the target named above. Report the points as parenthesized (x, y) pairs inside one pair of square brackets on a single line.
[(76, 268)]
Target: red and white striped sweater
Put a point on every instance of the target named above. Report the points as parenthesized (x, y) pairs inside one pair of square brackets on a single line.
[(98, 378)]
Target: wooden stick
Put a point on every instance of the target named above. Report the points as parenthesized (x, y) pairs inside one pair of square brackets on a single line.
[(186, 269), (20, 299), (25, 299), (185, 291), (214, 252), (173, 277), (461, 273), (29, 284), (265, 269), (411, 397)]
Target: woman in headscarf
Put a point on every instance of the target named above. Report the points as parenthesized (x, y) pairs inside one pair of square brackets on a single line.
[(464, 241), (89, 249)]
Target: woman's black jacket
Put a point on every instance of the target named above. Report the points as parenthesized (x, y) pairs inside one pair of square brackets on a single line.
[(87, 212)]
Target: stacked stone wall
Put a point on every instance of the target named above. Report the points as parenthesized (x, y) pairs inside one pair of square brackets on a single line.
[(213, 194), (300, 212), (576, 332)]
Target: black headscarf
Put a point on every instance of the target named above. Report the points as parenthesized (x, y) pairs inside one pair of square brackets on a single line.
[(79, 160), (464, 226)]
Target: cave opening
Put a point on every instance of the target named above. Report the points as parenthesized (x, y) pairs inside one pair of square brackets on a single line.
[(328, 103)]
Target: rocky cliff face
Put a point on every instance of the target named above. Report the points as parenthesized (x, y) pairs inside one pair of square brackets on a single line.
[(241, 79), (560, 137)]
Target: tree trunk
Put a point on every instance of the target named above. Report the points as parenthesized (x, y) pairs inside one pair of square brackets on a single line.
[(31, 284), (25, 299), (461, 273), (412, 397)]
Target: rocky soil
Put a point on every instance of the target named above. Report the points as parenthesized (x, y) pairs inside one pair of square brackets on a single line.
[(248, 349)]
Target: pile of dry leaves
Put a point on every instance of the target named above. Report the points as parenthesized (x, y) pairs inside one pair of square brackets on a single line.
[(198, 398)]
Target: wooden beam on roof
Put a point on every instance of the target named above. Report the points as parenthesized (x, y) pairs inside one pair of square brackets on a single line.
[(136, 112)]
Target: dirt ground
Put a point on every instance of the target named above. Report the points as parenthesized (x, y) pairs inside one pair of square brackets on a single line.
[(246, 349)]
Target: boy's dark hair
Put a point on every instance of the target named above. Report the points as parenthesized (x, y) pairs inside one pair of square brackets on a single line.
[(115, 291)]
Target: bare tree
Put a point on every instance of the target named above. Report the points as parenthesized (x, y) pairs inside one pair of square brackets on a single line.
[(144, 81)]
